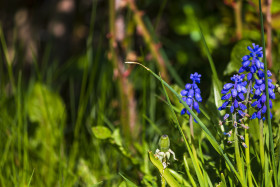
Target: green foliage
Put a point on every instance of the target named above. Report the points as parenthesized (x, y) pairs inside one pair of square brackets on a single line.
[(238, 51), (85, 118), (101, 132), (44, 106)]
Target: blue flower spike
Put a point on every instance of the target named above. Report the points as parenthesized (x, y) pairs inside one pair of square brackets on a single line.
[(251, 63), (255, 74), (234, 99), (234, 95), (192, 94), (260, 96)]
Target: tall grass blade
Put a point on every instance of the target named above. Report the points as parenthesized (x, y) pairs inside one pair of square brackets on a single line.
[(30, 179), (188, 171), (271, 149)]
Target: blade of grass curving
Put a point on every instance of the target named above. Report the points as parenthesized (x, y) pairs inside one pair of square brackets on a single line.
[(179, 178), (161, 51), (216, 82), (193, 152), (209, 135), (188, 171), (166, 174), (205, 174), (215, 75), (267, 101), (29, 182)]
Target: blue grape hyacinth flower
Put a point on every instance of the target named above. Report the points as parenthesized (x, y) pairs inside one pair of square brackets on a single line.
[(234, 95), (191, 94), (260, 96), (251, 63)]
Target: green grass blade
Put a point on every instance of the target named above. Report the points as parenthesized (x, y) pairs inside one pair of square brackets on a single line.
[(170, 68), (248, 161), (217, 86), (267, 101), (9, 62), (179, 178), (212, 65), (29, 182), (188, 171), (209, 135)]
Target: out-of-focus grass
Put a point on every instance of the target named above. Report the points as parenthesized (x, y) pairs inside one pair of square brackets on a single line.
[(47, 114)]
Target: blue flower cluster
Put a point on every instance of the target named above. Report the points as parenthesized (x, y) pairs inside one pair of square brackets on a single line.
[(260, 96), (234, 94), (251, 63), (191, 94), (255, 90)]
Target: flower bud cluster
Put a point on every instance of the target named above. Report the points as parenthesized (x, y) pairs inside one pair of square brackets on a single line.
[(234, 95), (252, 64), (191, 94), (260, 96)]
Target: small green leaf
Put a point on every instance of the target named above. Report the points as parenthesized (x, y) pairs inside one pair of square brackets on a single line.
[(238, 51), (45, 106), (101, 132)]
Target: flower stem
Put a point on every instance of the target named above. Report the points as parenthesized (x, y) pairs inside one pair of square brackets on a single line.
[(248, 92), (271, 147), (237, 152), (261, 143), (238, 18), (248, 160), (191, 125)]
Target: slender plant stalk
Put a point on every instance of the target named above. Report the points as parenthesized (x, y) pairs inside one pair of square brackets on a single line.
[(271, 149), (188, 171), (261, 143), (152, 45), (248, 161), (126, 92), (210, 59), (9, 62), (238, 18), (191, 125), (269, 33), (237, 152)]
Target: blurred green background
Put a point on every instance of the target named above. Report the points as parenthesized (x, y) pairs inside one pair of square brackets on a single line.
[(72, 113)]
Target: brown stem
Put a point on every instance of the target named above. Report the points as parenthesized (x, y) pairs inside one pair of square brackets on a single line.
[(154, 47), (269, 35), (126, 90), (238, 18), (191, 126)]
